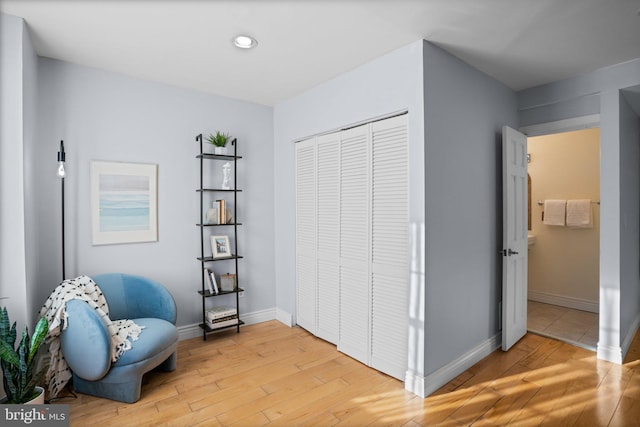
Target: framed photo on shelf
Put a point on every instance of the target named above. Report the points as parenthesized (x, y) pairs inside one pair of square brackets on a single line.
[(220, 247)]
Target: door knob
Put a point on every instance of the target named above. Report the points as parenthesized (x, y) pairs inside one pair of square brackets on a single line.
[(512, 252)]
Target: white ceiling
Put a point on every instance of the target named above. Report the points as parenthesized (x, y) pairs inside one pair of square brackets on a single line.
[(303, 43)]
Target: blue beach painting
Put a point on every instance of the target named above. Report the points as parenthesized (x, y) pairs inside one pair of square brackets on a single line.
[(124, 203)]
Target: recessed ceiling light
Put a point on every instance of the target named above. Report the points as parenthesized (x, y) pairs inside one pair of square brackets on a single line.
[(245, 42)]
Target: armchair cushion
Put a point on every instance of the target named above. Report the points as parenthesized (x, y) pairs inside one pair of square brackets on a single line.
[(157, 335)]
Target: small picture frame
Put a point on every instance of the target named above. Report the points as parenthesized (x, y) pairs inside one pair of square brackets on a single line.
[(220, 247)]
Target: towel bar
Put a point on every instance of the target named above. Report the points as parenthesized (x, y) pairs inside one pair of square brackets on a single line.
[(596, 202)]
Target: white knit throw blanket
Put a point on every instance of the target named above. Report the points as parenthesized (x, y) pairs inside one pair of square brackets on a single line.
[(83, 288)]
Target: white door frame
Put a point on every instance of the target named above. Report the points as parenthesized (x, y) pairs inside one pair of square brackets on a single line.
[(569, 125)]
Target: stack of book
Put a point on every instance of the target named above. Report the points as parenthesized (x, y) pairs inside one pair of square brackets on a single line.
[(219, 317), (222, 211)]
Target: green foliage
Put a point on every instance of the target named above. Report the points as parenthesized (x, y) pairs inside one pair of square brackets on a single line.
[(19, 378), (219, 139)]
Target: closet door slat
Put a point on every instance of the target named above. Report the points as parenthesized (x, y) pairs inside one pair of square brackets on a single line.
[(355, 184), (328, 208), (306, 235), (390, 246)]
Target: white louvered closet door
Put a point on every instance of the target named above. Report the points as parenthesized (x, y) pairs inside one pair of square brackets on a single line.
[(328, 211), (390, 246), (306, 235), (352, 241), (355, 243)]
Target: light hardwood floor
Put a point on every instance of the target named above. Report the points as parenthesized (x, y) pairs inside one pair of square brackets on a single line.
[(272, 374)]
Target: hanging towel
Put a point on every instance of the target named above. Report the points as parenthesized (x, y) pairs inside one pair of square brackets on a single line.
[(554, 212), (579, 214)]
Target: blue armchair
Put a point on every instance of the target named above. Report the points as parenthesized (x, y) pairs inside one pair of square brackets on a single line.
[(86, 343)]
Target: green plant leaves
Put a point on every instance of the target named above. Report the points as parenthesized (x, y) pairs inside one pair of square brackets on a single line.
[(219, 139), (18, 365)]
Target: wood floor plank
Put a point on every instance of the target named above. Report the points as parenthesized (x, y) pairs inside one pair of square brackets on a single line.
[(270, 374)]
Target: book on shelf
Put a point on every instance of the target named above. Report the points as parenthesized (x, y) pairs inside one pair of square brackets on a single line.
[(221, 323), (210, 279), (222, 211), (221, 312)]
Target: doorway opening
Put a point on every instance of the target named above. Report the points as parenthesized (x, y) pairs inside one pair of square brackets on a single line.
[(563, 256)]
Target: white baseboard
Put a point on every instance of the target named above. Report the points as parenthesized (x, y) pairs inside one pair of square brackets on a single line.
[(615, 354), (569, 302), (626, 343), (424, 386), (284, 317), (192, 331), (609, 353)]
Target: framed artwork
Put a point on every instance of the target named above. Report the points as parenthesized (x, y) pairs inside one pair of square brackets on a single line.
[(220, 247), (124, 202)]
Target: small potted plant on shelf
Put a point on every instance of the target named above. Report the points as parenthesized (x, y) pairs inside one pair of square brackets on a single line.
[(219, 141), (20, 376)]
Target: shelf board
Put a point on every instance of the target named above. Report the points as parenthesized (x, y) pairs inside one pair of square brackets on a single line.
[(208, 294), (217, 225), (209, 258), (208, 329), (217, 156), (201, 190)]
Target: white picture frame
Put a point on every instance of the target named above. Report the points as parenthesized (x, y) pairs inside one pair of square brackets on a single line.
[(124, 202), (220, 247)]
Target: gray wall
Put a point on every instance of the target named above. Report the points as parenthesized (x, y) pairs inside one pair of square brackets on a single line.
[(464, 114), (13, 280), (106, 116), (30, 124), (455, 197), (599, 92), (388, 84), (630, 220)]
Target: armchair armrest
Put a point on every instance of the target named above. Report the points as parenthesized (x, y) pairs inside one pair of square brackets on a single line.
[(86, 343)]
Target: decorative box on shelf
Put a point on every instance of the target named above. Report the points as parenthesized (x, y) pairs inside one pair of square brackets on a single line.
[(228, 282)]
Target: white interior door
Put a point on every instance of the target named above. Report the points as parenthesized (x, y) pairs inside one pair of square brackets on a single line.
[(514, 244)]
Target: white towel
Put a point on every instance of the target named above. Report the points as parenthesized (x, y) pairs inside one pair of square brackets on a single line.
[(579, 214), (554, 212)]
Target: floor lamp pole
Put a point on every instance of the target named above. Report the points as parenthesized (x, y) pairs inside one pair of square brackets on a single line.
[(63, 263), (61, 174)]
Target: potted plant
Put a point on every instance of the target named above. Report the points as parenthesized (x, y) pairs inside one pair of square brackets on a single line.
[(219, 141), (20, 377)]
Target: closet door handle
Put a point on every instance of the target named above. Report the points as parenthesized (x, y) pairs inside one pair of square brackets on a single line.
[(512, 252)]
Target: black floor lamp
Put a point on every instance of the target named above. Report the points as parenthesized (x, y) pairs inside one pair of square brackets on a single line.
[(61, 174)]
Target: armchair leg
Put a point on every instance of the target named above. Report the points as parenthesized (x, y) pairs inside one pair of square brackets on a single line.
[(169, 364)]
